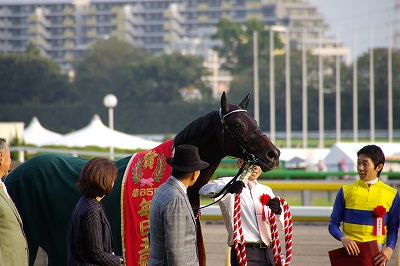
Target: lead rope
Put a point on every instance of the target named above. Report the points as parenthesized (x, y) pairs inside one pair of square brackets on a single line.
[(238, 237), (288, 227)]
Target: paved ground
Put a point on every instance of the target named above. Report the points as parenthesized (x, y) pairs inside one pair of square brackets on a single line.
[(311, 243)]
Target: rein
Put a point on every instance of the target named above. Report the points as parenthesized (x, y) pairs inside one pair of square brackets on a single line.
[(225, 189)]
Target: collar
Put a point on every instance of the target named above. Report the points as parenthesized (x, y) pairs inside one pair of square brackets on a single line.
[(371, 182), (181, 185), (252, 184)]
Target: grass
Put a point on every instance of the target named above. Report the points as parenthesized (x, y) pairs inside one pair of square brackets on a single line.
[(294, 198)]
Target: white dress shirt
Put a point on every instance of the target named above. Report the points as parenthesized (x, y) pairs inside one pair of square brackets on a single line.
[(249, 222)]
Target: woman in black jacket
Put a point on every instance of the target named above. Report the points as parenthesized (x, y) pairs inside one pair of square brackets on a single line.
[(89, 239)]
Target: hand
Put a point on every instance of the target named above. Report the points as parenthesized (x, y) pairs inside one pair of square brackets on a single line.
[(383, 257), (350, 246), (236, 187), (275, 205)]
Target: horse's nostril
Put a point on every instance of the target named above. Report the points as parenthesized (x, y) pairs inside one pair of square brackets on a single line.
[(272, 155)]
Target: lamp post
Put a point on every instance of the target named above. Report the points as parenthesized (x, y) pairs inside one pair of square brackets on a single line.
[(279, 29), (256, 79), (110, 101)]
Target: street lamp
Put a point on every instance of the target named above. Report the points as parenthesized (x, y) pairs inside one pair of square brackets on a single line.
[(110, 101)]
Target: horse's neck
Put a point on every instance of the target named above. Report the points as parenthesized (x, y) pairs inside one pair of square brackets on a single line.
[(204, 133)]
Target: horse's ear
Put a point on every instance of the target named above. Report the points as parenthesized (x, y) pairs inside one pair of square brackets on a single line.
[(224, 104), (245, 102)]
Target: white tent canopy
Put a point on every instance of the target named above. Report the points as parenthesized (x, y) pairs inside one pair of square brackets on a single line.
[(97, 134), (347, 153), (310, 156), (36, 134)]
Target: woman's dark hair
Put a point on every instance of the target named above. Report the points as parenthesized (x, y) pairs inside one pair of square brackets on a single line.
[(375, 153), (97, 177)]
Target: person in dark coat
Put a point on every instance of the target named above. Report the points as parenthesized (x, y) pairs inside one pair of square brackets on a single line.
[(89, 239)]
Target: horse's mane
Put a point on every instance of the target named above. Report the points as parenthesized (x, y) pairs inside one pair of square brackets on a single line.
[(194, 130)]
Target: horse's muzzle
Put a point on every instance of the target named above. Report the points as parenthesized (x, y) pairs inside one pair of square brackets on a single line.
[(270, 161)]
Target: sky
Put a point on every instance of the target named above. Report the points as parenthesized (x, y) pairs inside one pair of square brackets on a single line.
[(345, 17)]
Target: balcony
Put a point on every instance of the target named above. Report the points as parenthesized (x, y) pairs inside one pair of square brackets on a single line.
[(5, 35), (116, 9), (69, 34), (226, 6), (91, 22), (69, 46), (68, 57), (91, 34), (68, 22), (33, 30), (254, 5), (202, 19), (202, 7), (254, 17), (68, 11), (92, 10)]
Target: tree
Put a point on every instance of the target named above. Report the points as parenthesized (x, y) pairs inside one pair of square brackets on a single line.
[(103, 70), (237, 43), (381, 88), (32, 78), (32, 49), (160, 78)]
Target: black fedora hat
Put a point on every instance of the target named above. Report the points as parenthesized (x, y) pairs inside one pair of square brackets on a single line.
[(187, 159)]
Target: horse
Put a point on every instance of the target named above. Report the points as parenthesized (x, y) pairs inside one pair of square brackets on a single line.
[(44, 187)]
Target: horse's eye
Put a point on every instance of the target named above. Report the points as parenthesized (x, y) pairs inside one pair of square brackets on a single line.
[(239, 127)]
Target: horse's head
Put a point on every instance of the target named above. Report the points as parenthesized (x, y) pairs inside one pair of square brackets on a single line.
[(242, 138)]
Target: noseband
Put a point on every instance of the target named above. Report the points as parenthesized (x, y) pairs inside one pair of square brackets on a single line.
[(243, 146), (249, 158)]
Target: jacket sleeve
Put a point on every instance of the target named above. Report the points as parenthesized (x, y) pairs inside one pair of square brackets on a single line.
[(393, 223), (337, 216), (92, 231), (214, 186), (176, 224)]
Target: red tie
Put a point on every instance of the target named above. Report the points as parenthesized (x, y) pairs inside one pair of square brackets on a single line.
[(262, 225)]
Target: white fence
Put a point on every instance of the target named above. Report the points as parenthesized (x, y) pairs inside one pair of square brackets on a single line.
[(299, 213)]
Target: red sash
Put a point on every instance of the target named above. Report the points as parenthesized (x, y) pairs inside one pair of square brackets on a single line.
[(145, 172)]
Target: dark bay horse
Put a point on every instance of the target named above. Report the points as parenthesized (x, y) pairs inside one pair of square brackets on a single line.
[(45, 192)]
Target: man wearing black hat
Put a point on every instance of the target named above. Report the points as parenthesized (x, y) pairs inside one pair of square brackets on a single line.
[(172, 231)]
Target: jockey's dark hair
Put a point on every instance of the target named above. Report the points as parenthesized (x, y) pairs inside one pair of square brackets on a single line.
[(97, 177), (376, 155)]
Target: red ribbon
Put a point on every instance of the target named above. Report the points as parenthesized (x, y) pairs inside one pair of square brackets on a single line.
[(379, 222), (264, 198)]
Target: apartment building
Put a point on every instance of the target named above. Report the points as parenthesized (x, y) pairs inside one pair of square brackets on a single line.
[(62, 29)]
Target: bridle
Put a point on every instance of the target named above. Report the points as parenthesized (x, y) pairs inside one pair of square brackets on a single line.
[(249, 158), (243, 146)]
